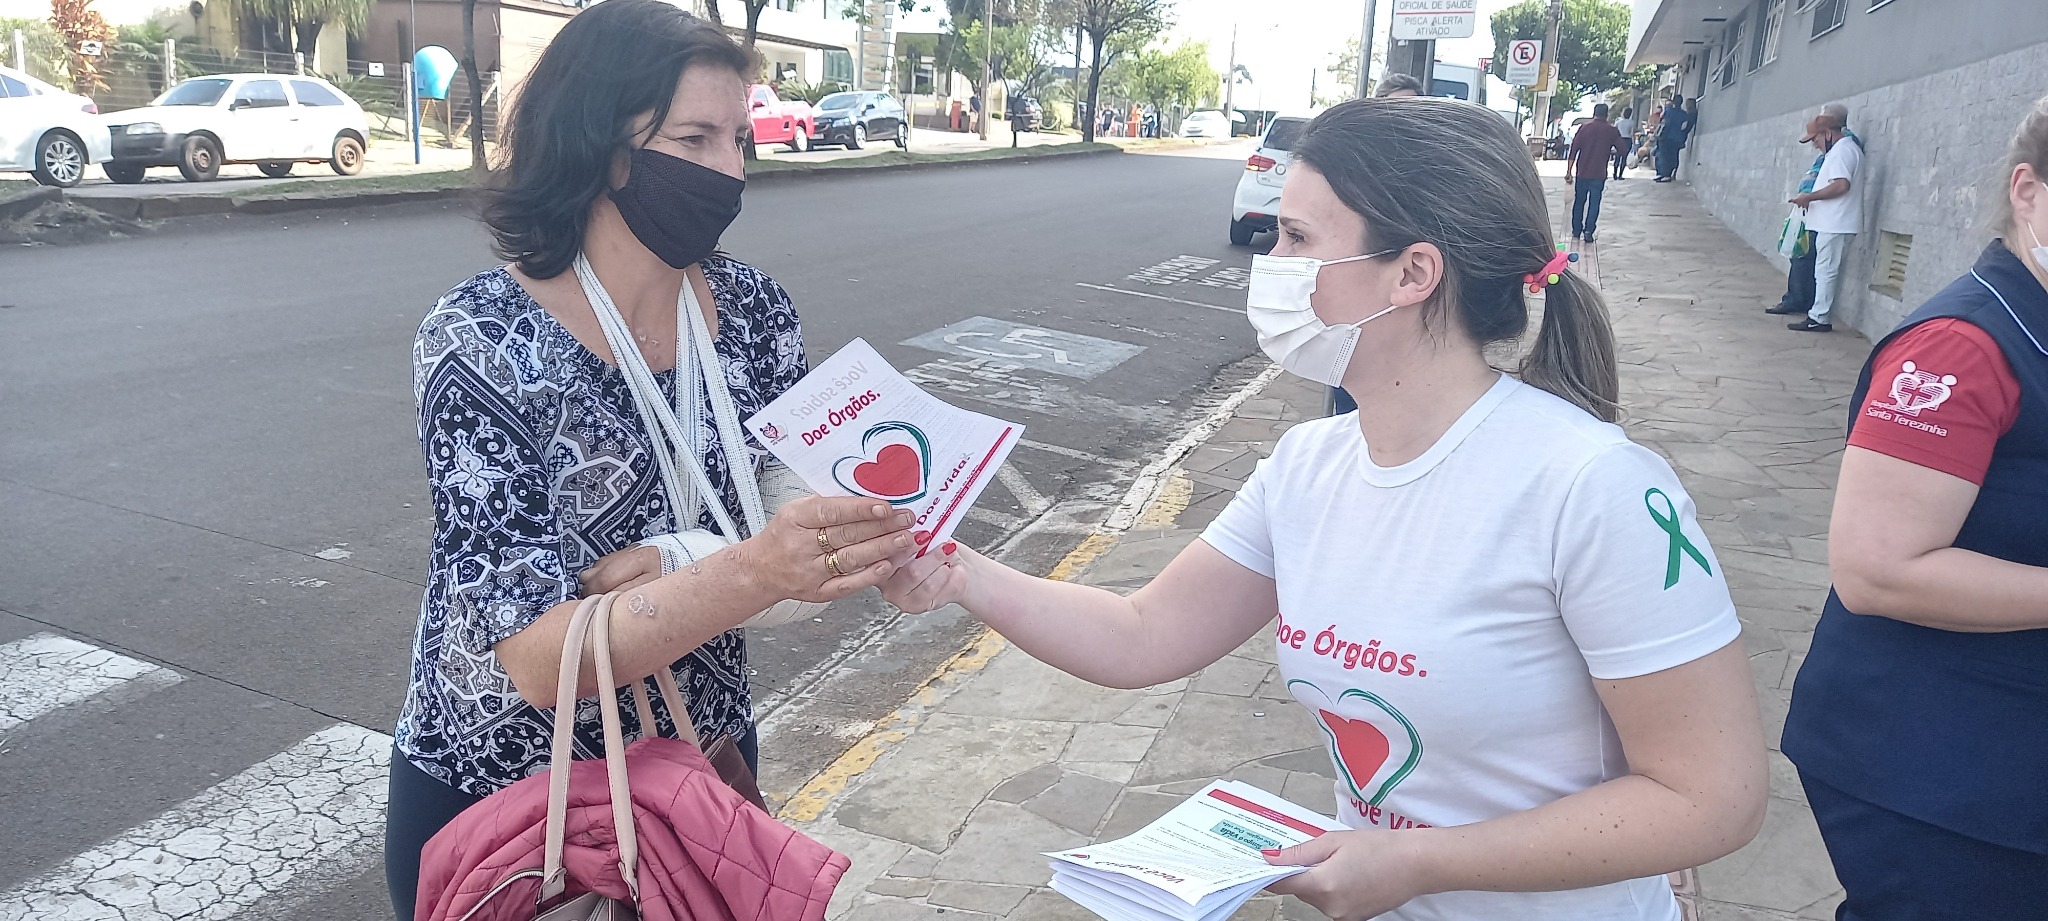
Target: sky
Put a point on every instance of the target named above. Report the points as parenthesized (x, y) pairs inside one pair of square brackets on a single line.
[(1282, 41)]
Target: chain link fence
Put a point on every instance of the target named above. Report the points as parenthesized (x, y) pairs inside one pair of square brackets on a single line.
[(136, 73)]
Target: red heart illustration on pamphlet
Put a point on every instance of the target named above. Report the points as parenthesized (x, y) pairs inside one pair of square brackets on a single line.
[(1373, 746), (895, 464), (893, 472)]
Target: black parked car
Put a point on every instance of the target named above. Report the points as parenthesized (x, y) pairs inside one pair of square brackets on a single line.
[(851, 120)]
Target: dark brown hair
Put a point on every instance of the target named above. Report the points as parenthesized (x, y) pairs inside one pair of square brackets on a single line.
[(2029, 146), (612, 63), (1453, 174)]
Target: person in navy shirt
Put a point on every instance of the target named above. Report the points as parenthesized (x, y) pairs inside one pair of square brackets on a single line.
[(1919, 722)]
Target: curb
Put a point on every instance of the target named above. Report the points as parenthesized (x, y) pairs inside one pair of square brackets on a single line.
[(1153, 489), (159, 207), (24, 202)]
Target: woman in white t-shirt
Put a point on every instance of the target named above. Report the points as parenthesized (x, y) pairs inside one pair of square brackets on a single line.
[(1517, 646)]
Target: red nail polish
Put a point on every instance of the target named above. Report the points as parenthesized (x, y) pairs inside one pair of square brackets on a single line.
[(950, 548), (1271, 852)]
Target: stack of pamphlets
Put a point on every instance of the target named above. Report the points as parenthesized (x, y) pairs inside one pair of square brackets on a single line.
[(1199, 862)]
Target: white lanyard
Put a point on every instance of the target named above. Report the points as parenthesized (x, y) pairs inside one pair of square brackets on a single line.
[(671, 437)]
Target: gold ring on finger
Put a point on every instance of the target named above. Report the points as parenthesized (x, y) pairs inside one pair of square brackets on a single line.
[(832, 563), (824, 543)]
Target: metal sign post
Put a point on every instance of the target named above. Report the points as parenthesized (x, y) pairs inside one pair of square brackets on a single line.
[(412, 109)]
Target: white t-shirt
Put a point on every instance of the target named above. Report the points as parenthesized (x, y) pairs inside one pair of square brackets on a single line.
[(1844, 214), (1627, 127), (1444, 620)]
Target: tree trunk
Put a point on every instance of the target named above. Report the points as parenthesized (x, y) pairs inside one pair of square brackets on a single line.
[(308, 42), (754, 20), (1094, 91), (478, 163)]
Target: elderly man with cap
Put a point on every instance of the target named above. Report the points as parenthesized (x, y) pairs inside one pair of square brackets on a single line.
[(1834, 212), (1797, 241)]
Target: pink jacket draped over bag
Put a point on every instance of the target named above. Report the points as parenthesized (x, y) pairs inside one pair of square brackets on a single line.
[(692, 849)]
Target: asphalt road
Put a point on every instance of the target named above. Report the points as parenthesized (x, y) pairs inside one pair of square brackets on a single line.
[(216, 524)]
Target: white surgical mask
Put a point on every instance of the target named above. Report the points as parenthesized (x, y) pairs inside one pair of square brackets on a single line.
[(1278, 303), (2040, 252)]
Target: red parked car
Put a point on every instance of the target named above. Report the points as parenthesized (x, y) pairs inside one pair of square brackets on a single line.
[(781, 121)]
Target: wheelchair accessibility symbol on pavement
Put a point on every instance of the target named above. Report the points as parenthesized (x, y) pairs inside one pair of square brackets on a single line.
[(1051, 350)]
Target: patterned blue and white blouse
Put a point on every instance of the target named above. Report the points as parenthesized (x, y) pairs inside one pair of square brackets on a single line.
[(539, 465)]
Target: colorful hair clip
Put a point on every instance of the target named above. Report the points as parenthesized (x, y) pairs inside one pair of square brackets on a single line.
[(1552, 271)]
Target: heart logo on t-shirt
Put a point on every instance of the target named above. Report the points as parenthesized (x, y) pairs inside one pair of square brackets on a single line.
[(1373, 746), (895, 464), (1915, 390)]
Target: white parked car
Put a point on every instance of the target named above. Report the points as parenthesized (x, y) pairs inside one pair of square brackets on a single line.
[(1207, 123), (47, 131), (271, 120), (1256, 207)]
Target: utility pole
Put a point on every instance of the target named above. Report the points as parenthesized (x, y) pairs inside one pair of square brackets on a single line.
[(1540, 109), (988, 63), (1365, 38), (1230, 77)]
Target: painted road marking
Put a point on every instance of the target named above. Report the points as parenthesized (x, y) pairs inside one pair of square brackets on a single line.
[(1064, 451), (1035, 347), (1033, 501), (1178, 269), (316, 808), (1160, 297), (998, 382), (45, 672), (1236, 279)]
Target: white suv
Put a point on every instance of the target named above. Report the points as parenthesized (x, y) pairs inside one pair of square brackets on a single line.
[(47, 131), (1256, 208), (271, 120)]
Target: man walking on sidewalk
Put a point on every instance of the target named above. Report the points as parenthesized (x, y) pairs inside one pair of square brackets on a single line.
[(1594, 147), (1834, 213)]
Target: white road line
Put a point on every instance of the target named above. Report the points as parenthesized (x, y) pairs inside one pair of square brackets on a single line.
[(236, 844), (1160, 297), (1065, 451), (1002, 520), (1033, 501), (45, 672)]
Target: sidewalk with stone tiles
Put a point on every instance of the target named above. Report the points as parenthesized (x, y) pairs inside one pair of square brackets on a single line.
[(1020, 758)]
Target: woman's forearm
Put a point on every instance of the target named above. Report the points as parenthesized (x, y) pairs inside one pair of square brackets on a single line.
[(1950, 589), (652, 626), (1093, 634), (1626, 828)]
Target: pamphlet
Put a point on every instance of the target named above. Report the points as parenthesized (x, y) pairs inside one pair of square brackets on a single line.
[(855, 426), (1198, 862)]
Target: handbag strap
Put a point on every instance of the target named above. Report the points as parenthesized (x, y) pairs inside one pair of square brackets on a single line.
[(590, 613)]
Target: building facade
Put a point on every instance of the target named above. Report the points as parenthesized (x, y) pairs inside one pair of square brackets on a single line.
[(1934, 89)]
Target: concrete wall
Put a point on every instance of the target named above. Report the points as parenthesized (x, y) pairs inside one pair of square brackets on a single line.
[(1934, 94)]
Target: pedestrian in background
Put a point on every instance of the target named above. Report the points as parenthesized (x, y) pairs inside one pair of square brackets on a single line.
[(1673, 128), (1594, 147), (1500, 612), (1391, 86), (623, 170), (1626, 126), (1795, 241), (1919, 721), (1834, 213)]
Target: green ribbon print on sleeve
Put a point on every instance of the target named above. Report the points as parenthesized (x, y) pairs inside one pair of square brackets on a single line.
[(1668, 520)]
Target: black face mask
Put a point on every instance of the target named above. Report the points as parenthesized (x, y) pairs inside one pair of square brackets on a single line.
[(677, 208)]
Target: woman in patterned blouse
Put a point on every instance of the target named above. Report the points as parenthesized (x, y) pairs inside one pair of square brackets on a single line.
[(624, 148)]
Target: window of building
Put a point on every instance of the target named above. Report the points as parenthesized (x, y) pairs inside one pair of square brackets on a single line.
[(1828, 16), (1803, 5), (787, 6), (1874, 4), (1731, 54), (839, 67), (1894, 250), (1770, 25)]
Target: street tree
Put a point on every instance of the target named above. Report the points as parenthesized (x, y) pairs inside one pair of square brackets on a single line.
[(1343, 71), (295, 25), (1116, 27), (79, 23), (1592, 46), (1179, 78)]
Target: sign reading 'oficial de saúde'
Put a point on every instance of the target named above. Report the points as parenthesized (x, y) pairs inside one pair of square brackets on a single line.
[(1423, 20)]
